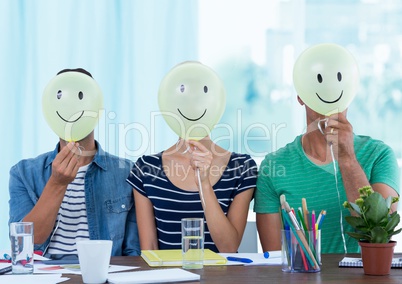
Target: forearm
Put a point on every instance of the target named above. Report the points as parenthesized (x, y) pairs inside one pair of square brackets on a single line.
[(269, 231), (44, 213), (146, 222), (224, 234), (353, 177)]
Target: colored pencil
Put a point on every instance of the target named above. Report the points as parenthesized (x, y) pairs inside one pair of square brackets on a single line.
[(322, 219), (300, 236), (305, 213)]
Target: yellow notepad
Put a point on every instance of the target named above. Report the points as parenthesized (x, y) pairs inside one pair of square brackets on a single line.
[(173, 257)]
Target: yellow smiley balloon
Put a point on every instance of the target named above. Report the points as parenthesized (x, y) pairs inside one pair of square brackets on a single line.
[(192, 99), (326, 78), (71, 104)]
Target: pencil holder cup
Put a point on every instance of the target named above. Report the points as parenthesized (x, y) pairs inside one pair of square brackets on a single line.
[(301, 251)]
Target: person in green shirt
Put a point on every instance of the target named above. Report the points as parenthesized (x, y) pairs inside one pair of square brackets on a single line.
[(326, 167)]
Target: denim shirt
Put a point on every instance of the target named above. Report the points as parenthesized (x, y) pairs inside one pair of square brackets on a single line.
[(109, 198)]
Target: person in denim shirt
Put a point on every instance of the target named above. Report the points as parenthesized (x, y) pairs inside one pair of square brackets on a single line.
[(39, 187)]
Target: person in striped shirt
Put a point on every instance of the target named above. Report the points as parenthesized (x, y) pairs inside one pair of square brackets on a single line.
[(167, 189)]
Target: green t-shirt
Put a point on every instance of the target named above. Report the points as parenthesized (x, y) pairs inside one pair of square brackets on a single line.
[(290, 172)]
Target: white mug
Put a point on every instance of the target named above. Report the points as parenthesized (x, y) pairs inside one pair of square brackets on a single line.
[(94, 257)]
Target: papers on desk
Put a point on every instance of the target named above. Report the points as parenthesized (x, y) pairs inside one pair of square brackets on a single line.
[(153, 276), (50, 274), (4, 253), (32, 279), (40, 268), (275, 258)]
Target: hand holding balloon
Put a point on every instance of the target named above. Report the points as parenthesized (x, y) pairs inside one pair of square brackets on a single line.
[(201, 159), (326, 78), (65, 165), (339, 133)]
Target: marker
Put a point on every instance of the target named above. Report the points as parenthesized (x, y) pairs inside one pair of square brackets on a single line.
[(273, 254), (6, 269), (239, 259)]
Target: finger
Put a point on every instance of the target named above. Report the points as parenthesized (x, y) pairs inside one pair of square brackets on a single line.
[(335, 117), (64, 156), (196, 145), (72, 157), (202, 155), (333, 123), (338, 118), (72, 166), (331, 131)]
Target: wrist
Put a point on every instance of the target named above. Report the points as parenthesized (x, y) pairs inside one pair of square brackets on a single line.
[(348, 162), (55, 185)]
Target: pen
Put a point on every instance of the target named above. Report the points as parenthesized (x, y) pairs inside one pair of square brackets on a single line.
[(6, 269), (322, 219), (239, 259)]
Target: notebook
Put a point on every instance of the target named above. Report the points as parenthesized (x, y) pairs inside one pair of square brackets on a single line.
[(153, 276), (357, 262), (173, 257)]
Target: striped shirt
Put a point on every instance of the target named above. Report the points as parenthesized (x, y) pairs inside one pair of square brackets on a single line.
[(72, 222), (171, 203), (290, 172)]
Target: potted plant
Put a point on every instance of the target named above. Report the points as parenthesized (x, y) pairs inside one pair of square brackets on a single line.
[(374, 225)]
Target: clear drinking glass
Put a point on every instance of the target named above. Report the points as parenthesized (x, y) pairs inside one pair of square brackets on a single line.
[(301, 251), (192, 230), (22, 247)]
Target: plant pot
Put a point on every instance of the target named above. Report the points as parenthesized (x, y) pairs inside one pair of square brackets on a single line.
[(377, 258)]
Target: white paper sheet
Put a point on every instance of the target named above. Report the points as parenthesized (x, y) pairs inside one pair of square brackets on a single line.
[(40, 268), (7, 253), (275, 258), (153, 276), (33, 279)]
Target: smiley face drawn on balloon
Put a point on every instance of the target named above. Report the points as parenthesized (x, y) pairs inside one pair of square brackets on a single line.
[(71, 104), (326, 78), (191, 99)]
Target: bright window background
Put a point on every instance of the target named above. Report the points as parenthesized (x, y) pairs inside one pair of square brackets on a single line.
[(254, 44), (129, 46)]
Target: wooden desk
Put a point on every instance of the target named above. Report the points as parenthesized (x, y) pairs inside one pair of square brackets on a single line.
[(330, 273)]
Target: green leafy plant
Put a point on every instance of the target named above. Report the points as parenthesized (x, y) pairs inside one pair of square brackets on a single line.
[(372, 220)]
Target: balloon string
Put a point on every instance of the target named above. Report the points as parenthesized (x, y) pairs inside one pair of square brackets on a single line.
[(336, 181), (198, 175), (339, 199), (200, 188), (177, 147)]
